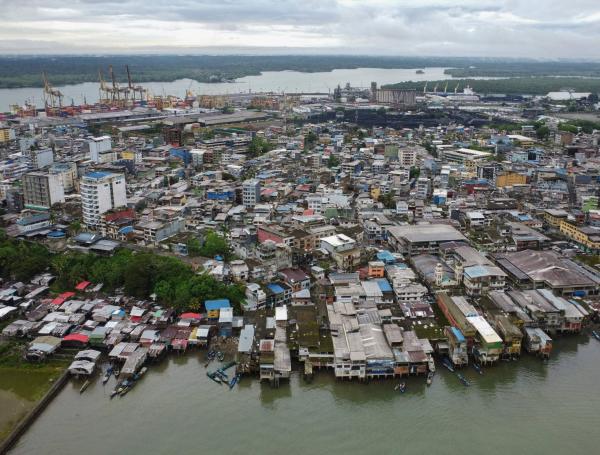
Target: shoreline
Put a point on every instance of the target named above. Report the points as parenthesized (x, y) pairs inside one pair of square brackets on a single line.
[(23, 424)]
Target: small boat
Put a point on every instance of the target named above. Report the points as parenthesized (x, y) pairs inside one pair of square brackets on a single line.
[(464, 380), (596, 335), (220, 356), (478, 368), (448, 364), (401, 387), (211, 355), (84, 386), (214, 377), (143, 371), (113, 393), (222, 375), (234, 381), (117, 372), (430, 378)]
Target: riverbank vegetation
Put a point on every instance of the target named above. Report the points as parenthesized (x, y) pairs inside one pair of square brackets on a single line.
[(139, 274), (25, 71), (513, 85)]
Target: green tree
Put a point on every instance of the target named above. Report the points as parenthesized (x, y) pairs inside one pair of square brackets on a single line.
[(214, 245), (258, 146), (194, 247), (333, 161), (388, 200), (543, 132)]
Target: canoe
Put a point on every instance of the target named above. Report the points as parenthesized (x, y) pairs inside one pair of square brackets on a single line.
[(464, 380), (84, 386), (446, 362), (234, 381)]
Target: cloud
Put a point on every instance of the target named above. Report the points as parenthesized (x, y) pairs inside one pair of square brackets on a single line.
[(509, 28)]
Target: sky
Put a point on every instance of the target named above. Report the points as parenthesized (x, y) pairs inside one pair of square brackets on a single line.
[(499, 28)]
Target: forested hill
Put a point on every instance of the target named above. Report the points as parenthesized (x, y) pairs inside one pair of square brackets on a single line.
[(25, 71)]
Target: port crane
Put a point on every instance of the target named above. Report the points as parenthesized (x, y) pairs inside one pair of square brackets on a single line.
[(52, 96)]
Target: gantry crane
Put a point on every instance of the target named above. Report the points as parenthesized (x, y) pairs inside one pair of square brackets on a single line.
[(52, 96)]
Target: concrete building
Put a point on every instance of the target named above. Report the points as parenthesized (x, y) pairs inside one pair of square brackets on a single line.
[(7, 135), (101, 192), (423, 238), (41, 190), (250, 193), (41, 158), (99, 146), (67, 171), (343, 250)]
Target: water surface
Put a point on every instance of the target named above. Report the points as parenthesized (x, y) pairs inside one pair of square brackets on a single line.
[(516, 407)]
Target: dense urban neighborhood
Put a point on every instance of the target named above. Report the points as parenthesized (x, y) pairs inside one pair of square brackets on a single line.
[(366, 233)]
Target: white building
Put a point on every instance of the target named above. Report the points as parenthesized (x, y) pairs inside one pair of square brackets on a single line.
[(422, 188), (41, 158), (67, 171), (407, 157), (99, 146), (250, 193), (101, 192)]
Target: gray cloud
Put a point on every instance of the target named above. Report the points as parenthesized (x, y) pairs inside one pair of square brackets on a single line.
[(512, 28)]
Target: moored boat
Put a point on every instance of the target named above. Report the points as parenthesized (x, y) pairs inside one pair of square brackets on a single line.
[(234, 381), (478, 368), (596, 335), (220, 356), (429, 378), (401, 387), (464, 380), (84, 386), (448, 364)]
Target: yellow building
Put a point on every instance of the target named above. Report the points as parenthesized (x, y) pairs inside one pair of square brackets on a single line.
[(375, 193), (587, 237), (555, 217), (510, 179), (7, 134)]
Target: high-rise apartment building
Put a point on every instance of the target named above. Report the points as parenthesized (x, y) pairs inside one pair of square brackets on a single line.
[(41, 190), (250, 193), (101, 192)]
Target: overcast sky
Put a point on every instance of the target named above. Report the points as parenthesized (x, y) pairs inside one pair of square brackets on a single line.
[(509, 28)]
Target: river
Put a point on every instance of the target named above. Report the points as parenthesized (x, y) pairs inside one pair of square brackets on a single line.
[(275, 81), (516, 407)]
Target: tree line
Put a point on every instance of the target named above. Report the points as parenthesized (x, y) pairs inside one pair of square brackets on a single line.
[(138, 274)]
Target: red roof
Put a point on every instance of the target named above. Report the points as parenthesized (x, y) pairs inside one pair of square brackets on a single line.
[(309, 212), (67, 295), (191, 316), (81, 286), (77, 337), (58, 301)]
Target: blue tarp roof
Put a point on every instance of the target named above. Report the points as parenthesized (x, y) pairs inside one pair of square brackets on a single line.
[(217, 304), (384, 285), (458, 334), (275, 288), (97, 175), (386, 256)]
